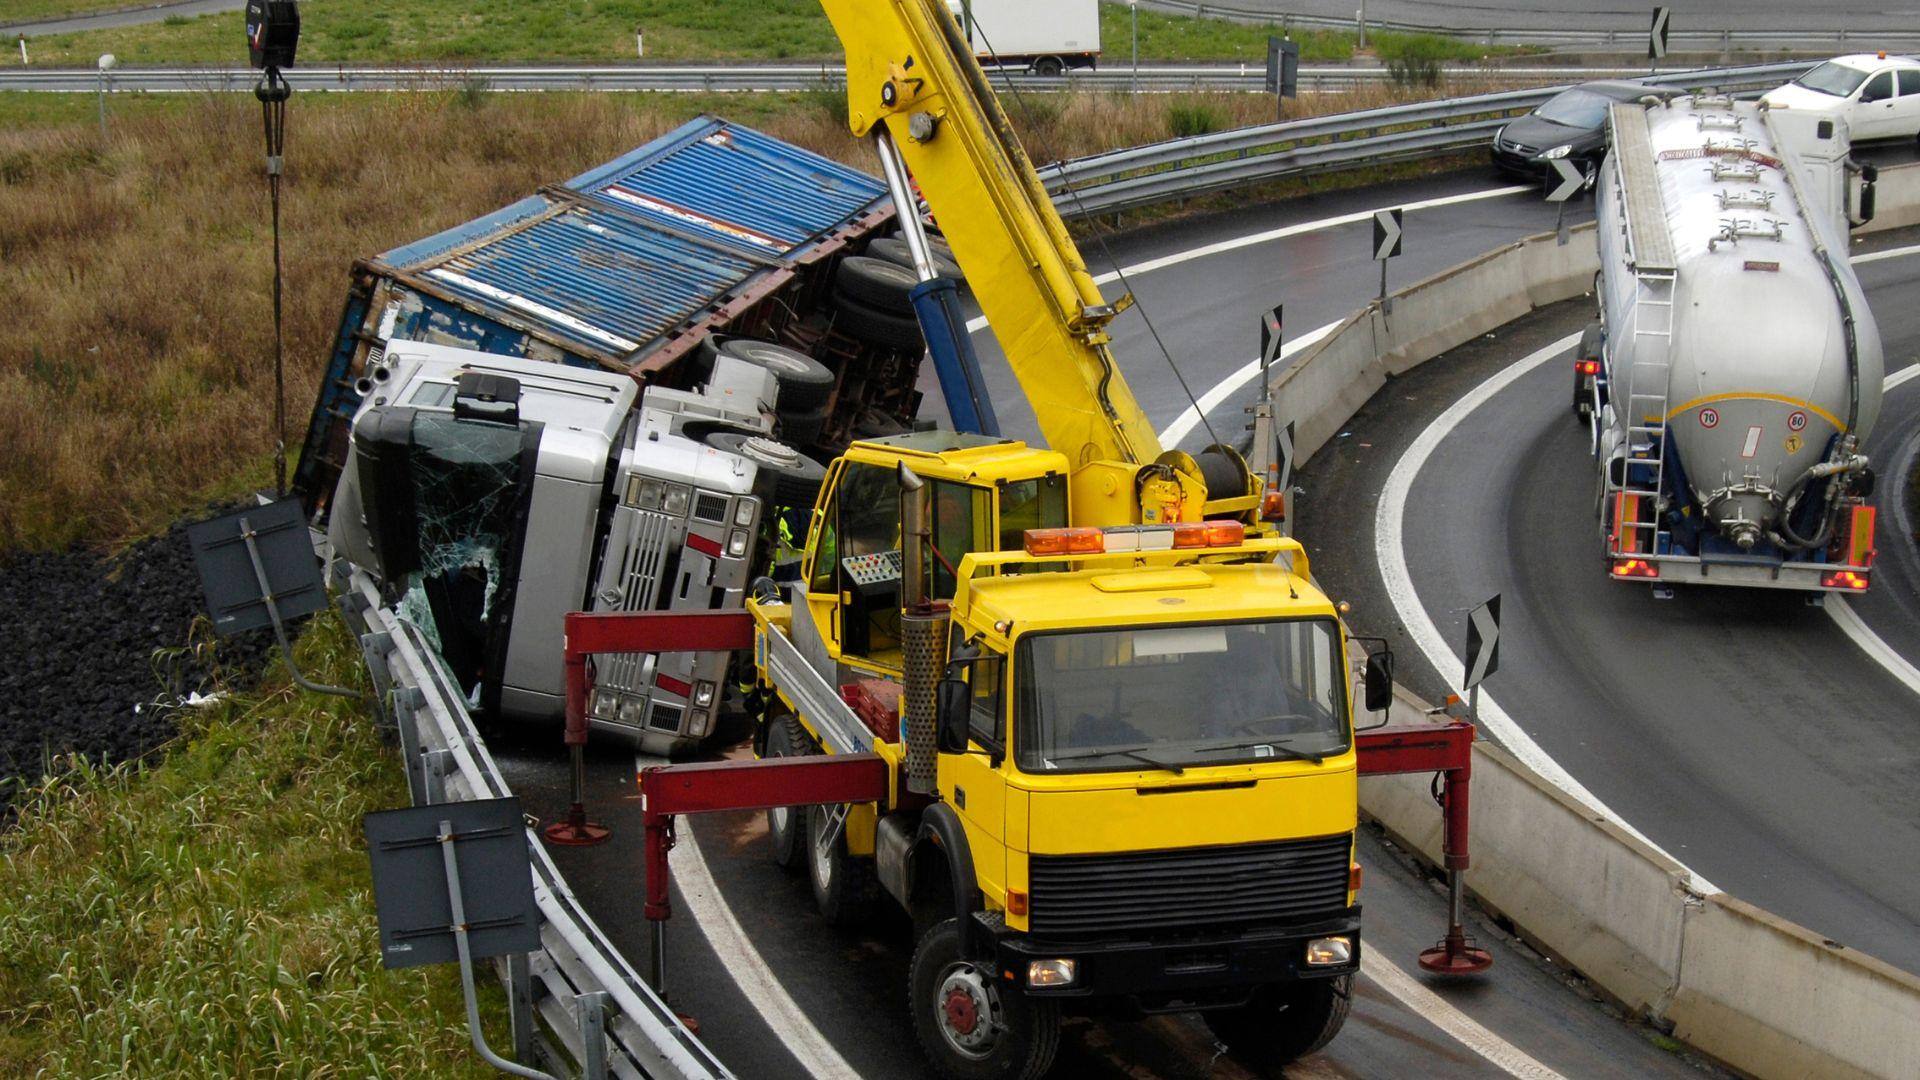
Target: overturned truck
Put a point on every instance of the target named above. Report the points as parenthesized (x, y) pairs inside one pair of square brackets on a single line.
[(608, 396)]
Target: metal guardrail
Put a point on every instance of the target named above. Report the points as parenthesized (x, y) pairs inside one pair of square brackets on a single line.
[(735, 78), (578, 970), (1180, 168), (1631, 37)]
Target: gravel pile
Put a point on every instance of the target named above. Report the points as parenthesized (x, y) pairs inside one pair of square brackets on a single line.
[(94, 659)]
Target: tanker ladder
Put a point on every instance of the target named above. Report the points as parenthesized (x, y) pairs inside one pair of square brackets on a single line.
[(1639, 530)]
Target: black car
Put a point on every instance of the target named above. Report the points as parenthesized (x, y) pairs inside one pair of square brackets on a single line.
[(1572, 124)]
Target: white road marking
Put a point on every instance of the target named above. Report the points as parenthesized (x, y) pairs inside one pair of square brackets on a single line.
[(1223, 389), (1442, 1014), (1390, 551), (1842, 613), (749, 971), (1890, 253)]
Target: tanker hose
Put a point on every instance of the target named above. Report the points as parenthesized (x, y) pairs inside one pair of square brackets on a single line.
[(1843, 463)]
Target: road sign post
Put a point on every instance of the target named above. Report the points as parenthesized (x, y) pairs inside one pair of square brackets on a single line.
[(1283, 71), (1386, 245), (1657, 37), (1571, 180), (1272, 443)]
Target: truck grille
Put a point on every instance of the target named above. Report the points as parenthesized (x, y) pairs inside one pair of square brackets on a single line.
[(1233, 887)]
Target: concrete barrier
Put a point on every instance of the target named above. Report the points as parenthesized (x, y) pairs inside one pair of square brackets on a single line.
[(1767, 997)]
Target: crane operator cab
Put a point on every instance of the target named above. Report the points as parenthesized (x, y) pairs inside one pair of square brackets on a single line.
[(985, 492)]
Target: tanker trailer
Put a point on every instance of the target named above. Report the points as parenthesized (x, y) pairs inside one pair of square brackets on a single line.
[(1735, 369)]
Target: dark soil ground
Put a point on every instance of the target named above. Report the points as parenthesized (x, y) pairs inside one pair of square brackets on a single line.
[(98, 651)]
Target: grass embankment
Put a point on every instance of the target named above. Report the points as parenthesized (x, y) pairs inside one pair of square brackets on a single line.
[(29, 11), (379, 31), (135, 362), (209, 912)]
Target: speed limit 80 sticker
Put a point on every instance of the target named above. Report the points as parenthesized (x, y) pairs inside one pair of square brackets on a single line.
[(1797, 421)]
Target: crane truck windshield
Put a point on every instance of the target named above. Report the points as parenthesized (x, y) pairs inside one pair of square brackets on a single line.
[(1831, 78), (1102, 700)]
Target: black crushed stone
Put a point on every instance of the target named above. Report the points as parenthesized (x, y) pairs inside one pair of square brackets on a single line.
[(99, 651)]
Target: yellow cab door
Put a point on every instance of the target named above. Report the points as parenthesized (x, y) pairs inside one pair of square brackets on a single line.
[(974, 783)]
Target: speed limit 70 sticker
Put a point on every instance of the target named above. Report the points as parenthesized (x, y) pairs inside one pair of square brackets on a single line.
[(1709, 418)]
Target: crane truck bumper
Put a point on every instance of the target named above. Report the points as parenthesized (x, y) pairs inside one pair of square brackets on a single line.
[(1169, 974)]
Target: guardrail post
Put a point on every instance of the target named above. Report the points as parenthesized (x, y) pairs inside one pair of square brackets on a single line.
[(520, 1005), (433, 764), (591, 1012)]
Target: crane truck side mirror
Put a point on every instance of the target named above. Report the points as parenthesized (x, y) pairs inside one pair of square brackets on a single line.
[(1379, 681), (953, 700)]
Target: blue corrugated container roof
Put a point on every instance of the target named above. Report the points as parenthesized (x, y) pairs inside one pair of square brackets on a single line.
[(627, 251)]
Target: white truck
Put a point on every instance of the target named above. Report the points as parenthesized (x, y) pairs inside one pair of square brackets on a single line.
[(1735, 369), (1046, 37)]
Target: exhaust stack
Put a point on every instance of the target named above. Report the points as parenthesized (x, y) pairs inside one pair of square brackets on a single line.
[(923, 633)]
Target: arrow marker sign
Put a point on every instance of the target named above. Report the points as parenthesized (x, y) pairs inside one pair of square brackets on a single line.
[(1386, 234), (1657, 37), (1286, 457), (1483, 641), (1571, 180), (1270, 324)]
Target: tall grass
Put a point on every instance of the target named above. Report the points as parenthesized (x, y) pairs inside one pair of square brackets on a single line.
[(209, 913), (135, 358)]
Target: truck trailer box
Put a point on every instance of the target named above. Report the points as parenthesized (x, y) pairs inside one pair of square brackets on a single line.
[(713, 228), (1047, 36)]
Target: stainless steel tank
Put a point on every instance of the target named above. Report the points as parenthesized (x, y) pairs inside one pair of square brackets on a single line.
[(1772, 350)]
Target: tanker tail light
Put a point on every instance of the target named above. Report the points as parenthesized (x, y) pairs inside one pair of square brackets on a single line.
[(1586, 367), (1635, 568), (1845, 579)]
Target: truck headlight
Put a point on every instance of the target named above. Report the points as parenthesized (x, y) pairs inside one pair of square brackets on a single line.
[(631, 709), (678, 497), (737, 543), (743, 511), (1329, 951), (1051, 973), (1557, 152), (645, 494), (703, 694), (605, 704)]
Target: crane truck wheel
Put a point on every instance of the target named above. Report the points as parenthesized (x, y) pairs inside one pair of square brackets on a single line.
[(796, 477), (805, 383), (843, 884), (971, 1025), (878, 327), (1284, 1023), (878, 282), (785, 823)]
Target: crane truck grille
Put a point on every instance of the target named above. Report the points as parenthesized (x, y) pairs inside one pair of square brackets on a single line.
[(1239, 886)]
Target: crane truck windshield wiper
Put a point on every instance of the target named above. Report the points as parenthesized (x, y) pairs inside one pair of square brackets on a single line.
[(1115, 751)]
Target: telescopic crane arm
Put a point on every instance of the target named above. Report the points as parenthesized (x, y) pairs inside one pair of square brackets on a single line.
[(910, 72)]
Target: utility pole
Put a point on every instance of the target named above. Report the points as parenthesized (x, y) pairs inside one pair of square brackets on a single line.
[(1361, 17)]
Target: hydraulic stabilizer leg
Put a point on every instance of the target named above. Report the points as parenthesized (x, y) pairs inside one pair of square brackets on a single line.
[(1453, 955)]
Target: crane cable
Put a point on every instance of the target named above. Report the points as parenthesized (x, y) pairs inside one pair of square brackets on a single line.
[(1119, 274)]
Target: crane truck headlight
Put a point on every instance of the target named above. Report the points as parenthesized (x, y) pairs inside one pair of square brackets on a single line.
[(1557, 152), (737, 543), (1052, 973), (1329, 951)]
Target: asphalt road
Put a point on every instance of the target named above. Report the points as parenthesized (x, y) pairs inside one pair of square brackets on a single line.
[(1468, 15), (1740, 730), (107, 20)]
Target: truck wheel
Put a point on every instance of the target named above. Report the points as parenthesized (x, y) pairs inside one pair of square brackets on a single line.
[(972, 1026), (1284, 1023), (1050, 67), (842, 883), (796, 477), (877, 282), (785, 739), (870, 324), (805, 383), (894, 249)]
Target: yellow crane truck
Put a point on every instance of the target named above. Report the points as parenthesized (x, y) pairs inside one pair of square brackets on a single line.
[(1076, 709)]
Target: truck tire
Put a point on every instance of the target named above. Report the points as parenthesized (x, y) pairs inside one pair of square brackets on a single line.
[(870, 324), (805, 383), (786, 825), (843, 884), (803, 429), (1284, 1023), (894, 250), (971, 1026), (796, 477), (1049, 67), (877, 283)]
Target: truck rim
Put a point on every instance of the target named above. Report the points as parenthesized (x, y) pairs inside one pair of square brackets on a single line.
[(967, 1011), (824, 838)]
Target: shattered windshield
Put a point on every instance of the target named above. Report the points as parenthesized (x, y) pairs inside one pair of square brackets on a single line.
[(465, 480), (1158, 696)]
